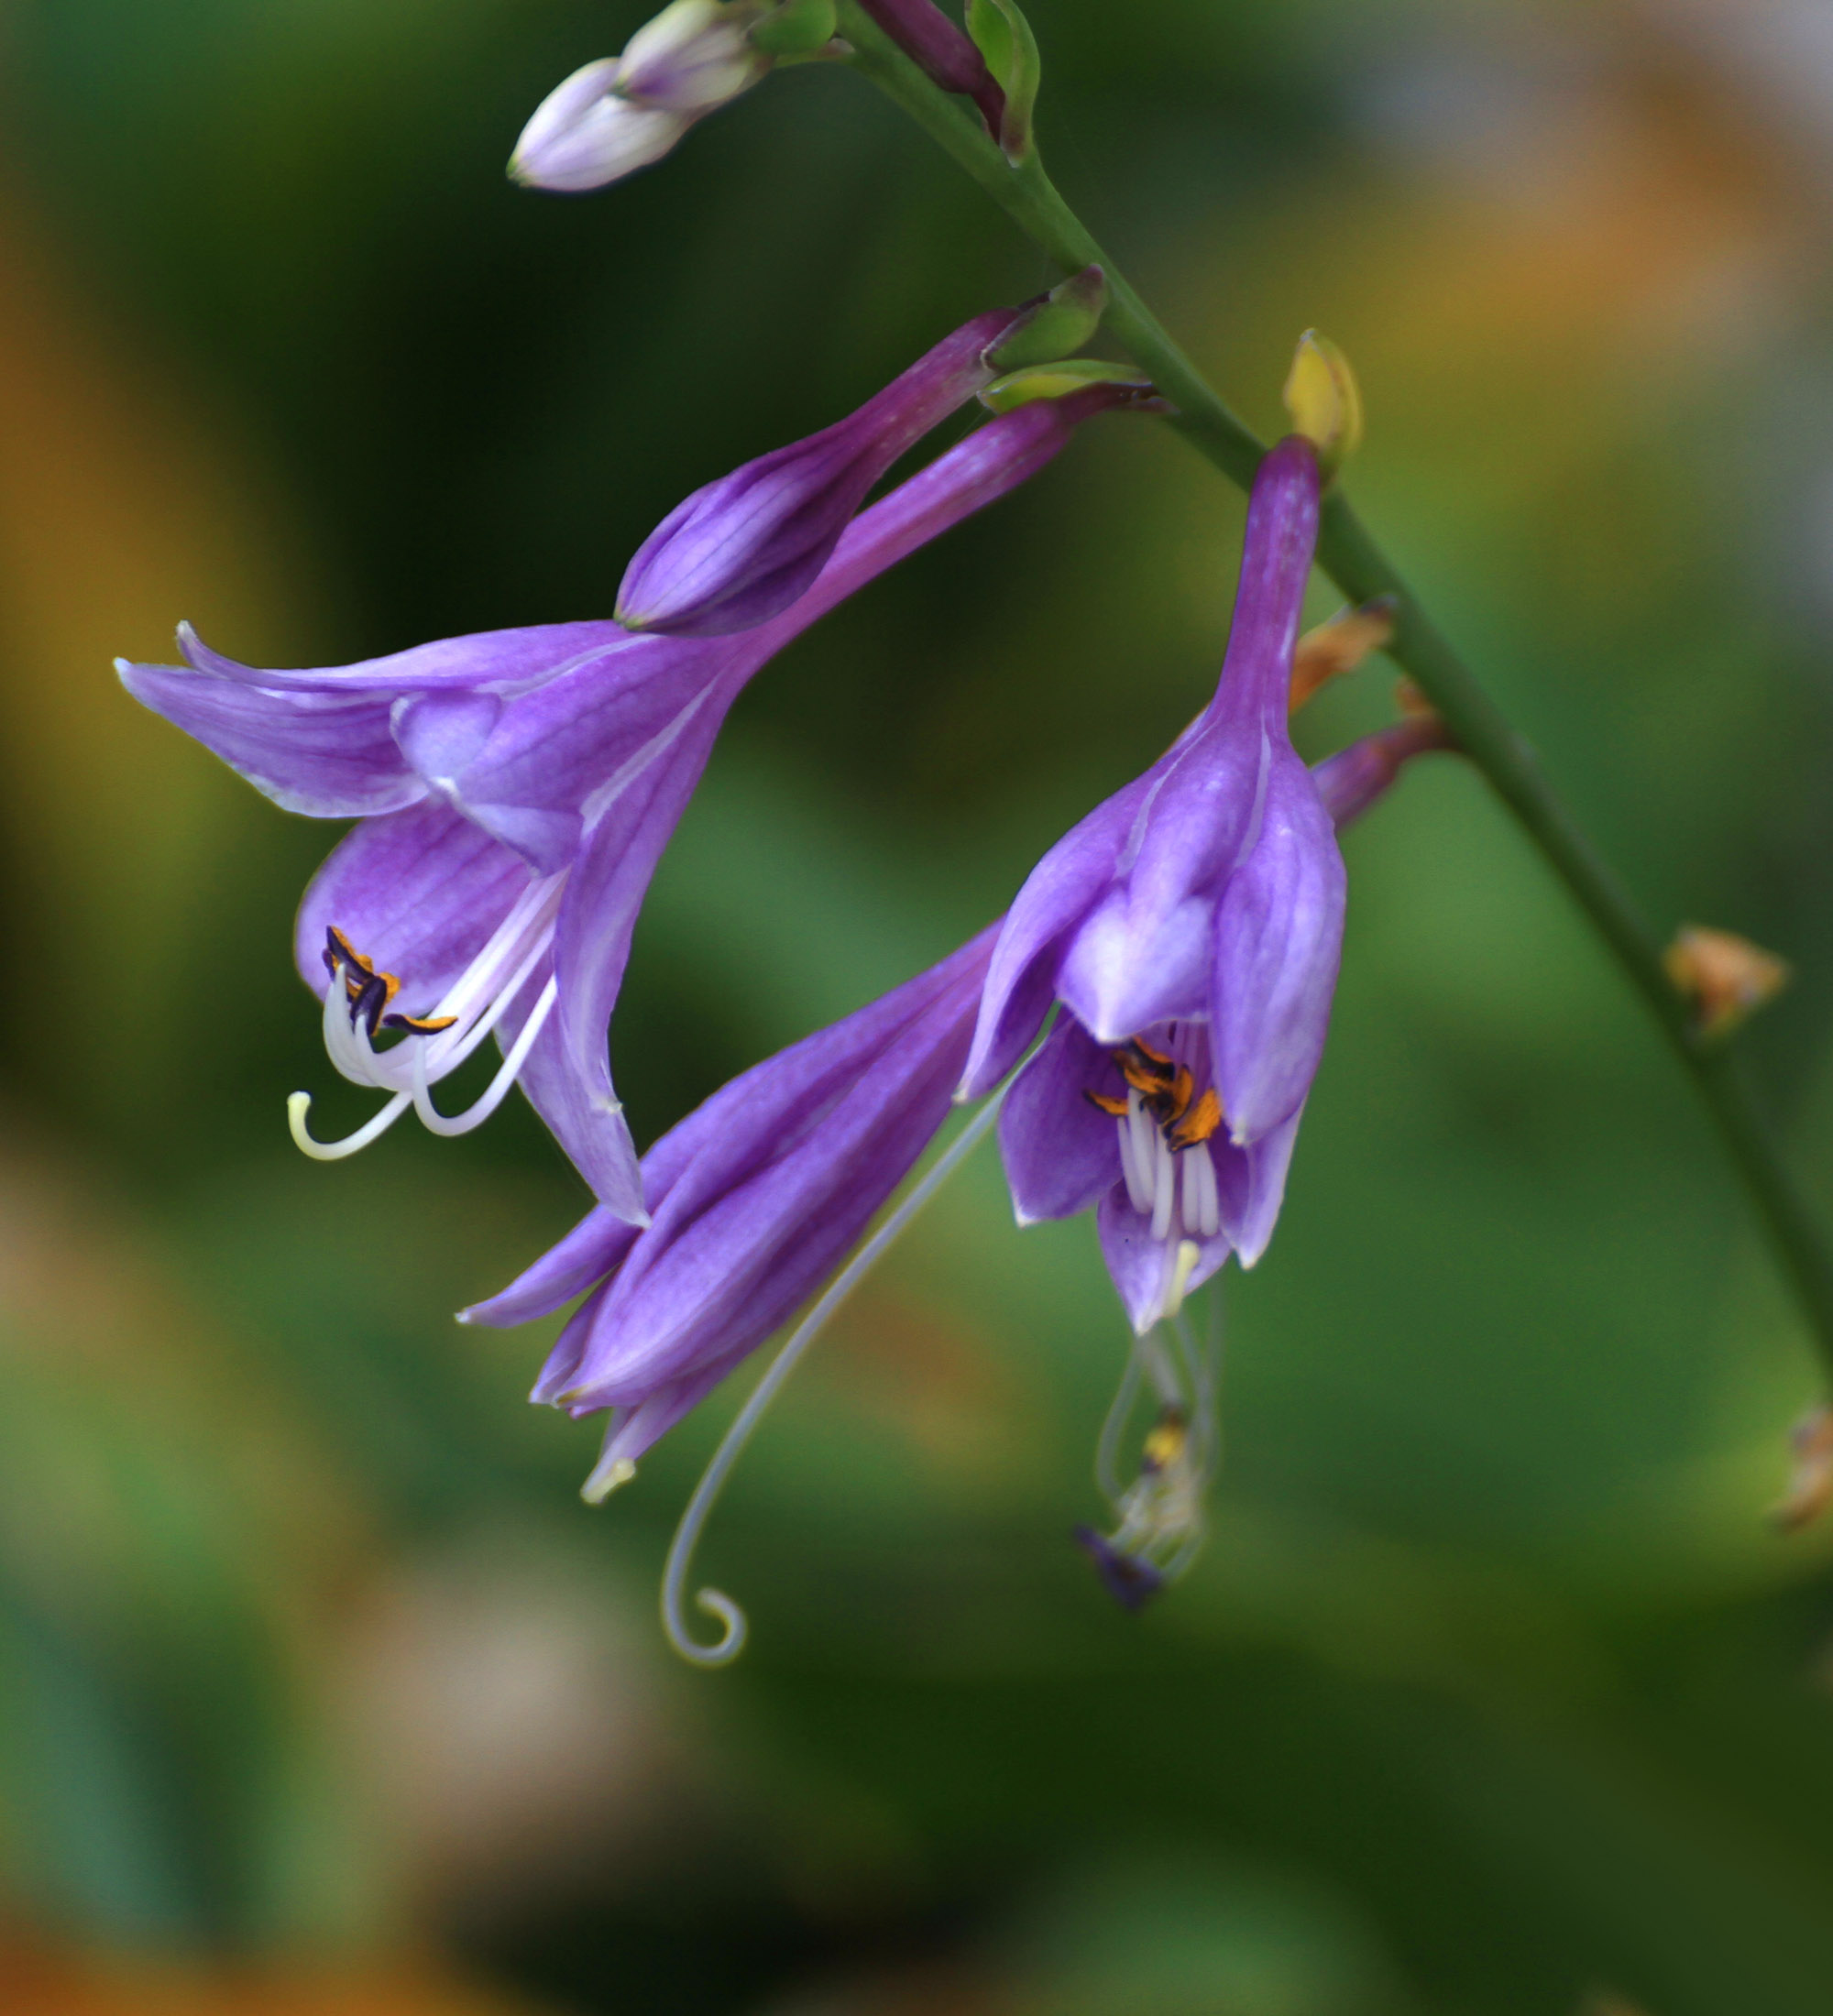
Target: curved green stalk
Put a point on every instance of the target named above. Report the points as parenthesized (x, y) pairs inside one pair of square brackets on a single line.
[(1352, 559)]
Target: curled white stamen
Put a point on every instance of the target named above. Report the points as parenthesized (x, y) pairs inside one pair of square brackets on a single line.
[(299, 1104), (480, 1111), (471, 1008), (731, 1617)]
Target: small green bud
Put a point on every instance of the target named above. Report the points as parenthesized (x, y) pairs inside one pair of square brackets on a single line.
[(1003, 37), (1325, 404), (1058, 381), (1057, 327), (798, 29)]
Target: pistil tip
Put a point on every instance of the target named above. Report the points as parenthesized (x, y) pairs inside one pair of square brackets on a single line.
[(607, 1478)]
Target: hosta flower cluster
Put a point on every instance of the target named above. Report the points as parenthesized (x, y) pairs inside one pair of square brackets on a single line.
[(1151, 1008)]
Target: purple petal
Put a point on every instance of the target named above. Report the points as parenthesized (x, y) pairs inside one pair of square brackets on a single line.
[(1060, 1153), (597, 1245), (1276, 561), (329, 756), (1279, 940), (791, 1162), (581, 1113), (1252, 1186), (418, 892), (1141, 1265), (1058, 894), (503, 662), (563, 1361), (742, 549), (1129, 1580)]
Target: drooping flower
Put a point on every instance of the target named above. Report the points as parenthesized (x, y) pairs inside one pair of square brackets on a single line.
[(1190, 929), (621, 113), (743, 548), (756, 1197), (514, 791)]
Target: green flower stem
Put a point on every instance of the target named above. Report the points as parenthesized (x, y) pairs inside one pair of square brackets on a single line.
[(1350, 557)]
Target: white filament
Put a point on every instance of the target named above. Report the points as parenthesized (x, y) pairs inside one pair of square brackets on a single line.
[(1176, 1192), (475, 1002), (714, 1602)]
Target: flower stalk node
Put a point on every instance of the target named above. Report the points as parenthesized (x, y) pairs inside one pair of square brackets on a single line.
[(1725, 978)]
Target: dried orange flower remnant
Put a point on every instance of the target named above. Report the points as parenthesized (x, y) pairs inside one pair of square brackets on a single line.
[(1810, 1485), (1339, 646), (1727, 978)]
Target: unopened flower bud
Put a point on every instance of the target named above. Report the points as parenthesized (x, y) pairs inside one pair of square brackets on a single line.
[(1810, 1484), (1059, 380), (1340, 645), (1727, 978), (1358, 777), (942, 51), (621, 113), (1320, 394), (694, 55)]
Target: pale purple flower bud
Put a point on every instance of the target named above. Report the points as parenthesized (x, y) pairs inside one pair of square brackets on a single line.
[(621, 113), (756, 1197), (693, 56), (743, 548)]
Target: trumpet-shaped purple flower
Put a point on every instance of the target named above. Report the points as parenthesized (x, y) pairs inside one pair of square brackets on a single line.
[(1190, 929), (756, 1196), (743, 548), (514, 791)]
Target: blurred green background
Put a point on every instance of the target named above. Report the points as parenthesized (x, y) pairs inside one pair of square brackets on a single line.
[(319, 1689)]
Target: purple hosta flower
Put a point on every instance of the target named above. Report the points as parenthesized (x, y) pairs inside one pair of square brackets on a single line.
[(1189, 929), (743, 548), (621, 113), (514, 791), (756, 1197)]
